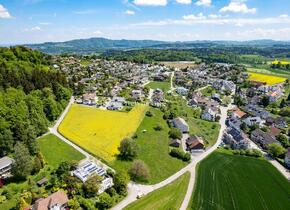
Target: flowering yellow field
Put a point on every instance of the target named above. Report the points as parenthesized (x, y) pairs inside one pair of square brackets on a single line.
[(281, 62), (269, 79), (100, 131)]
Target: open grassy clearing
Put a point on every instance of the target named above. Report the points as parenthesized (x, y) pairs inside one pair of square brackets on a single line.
[(269, 79), (165, 86), (227, 181), (154, 149), (275, 72), (208, 91), (100, 131), (168, 197), (56, 151)]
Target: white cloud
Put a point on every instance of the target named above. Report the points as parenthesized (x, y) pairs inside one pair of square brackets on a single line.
[(97, 33), (265, 33), (205, 3), (4, 12), (238, 6), (150, 2), (184, 1), (130, 12), (85, 12), (284, 16), (45, 23), (199, 16), (33, 29)]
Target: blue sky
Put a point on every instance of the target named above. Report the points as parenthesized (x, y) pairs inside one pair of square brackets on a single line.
[(35, 21)]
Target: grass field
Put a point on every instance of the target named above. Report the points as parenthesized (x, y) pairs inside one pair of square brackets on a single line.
[(165, 86), (154, 149), (227, 181), (168, 197), (208, 91), (100, 131), (269, 79), (56, 151)]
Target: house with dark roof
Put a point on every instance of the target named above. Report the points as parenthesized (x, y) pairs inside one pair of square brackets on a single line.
[(287, 158), (56, 201), (195, 143), (237, 139), (175, 142), (263, 138), (180, 124)]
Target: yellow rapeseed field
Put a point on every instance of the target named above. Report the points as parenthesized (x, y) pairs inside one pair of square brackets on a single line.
[(281, 62), (100, 131), (269, 79)]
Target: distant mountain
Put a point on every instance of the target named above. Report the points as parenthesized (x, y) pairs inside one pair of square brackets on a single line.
[(98, 45), (92, 45)]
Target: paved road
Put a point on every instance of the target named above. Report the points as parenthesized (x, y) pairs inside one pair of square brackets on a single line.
[(54, 130), (135, 189)]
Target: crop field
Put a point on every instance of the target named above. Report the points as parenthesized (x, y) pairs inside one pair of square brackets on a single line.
[(100, 131), (269, 79), (281, 62), (168, 197), (227, 181)]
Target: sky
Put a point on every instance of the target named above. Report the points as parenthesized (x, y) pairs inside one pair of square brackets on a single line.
[(37, 21)]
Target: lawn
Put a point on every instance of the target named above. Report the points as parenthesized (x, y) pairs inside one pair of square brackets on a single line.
[(165, 86), (227, 181), (208, 91), (269, 79), (100, 131), (153, 149), (168, 197), (56, 151)]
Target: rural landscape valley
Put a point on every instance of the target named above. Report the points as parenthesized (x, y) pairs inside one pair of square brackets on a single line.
[(164, 123)]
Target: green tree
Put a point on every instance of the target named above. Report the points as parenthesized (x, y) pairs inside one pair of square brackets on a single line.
[(276, 150), (265, 101), (128, 149), (121, 179), (139, 170), (283, 140), (23, 164), (175, 133), (91, 186), (105, 201)]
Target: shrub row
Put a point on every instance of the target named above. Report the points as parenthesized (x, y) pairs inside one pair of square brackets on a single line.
[(180, 154)]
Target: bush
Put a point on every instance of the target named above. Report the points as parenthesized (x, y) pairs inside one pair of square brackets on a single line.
[(174, 133), (158, 127), (177, 153), (149, 114)]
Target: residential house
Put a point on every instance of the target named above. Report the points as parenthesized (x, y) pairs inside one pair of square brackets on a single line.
[(210, 113), (287, 159), (194, 143), (238, 113), (256, 111), (274, 96), (89, 99), (216, 97), (280, 122), (175, 143), (157, 98), (237, 139), (263, 138), (182, 91), (180, 124), (137, 94), (250, 121), (5, 167), (233, 121), (117, 103), (56, 201), (90, 169)]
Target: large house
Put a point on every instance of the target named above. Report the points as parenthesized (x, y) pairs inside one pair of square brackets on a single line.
[(194, 143), (182, 91), (56, 201), (180, 124), (263, 138), (117, 103), (5, 166), (236, 139), (89, 99), (210, 113), (250, 121), (90, 169)]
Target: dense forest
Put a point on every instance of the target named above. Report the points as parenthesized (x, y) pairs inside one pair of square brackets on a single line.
[(232, 54), (31, 97)]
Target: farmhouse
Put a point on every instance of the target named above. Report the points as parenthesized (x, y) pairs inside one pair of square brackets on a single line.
[(180, 124), (194, 143), (56, 201), (5, 166)]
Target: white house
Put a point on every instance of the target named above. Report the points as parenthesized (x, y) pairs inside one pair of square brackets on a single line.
[(182, 91), (250, 121), (5, 166)]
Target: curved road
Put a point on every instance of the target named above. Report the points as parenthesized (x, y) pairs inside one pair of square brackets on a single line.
[(135, 189)]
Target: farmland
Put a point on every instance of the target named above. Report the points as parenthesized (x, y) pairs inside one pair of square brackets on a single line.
[(168, 197), (269, 71), (226, 181), (56, 151), (153, 149), (270, 80), (100, 131), (280, 62)]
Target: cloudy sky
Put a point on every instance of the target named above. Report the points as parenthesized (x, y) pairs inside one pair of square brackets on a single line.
[(35, 21)]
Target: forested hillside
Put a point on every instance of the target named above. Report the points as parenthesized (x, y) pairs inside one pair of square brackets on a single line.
[(31, 97)]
